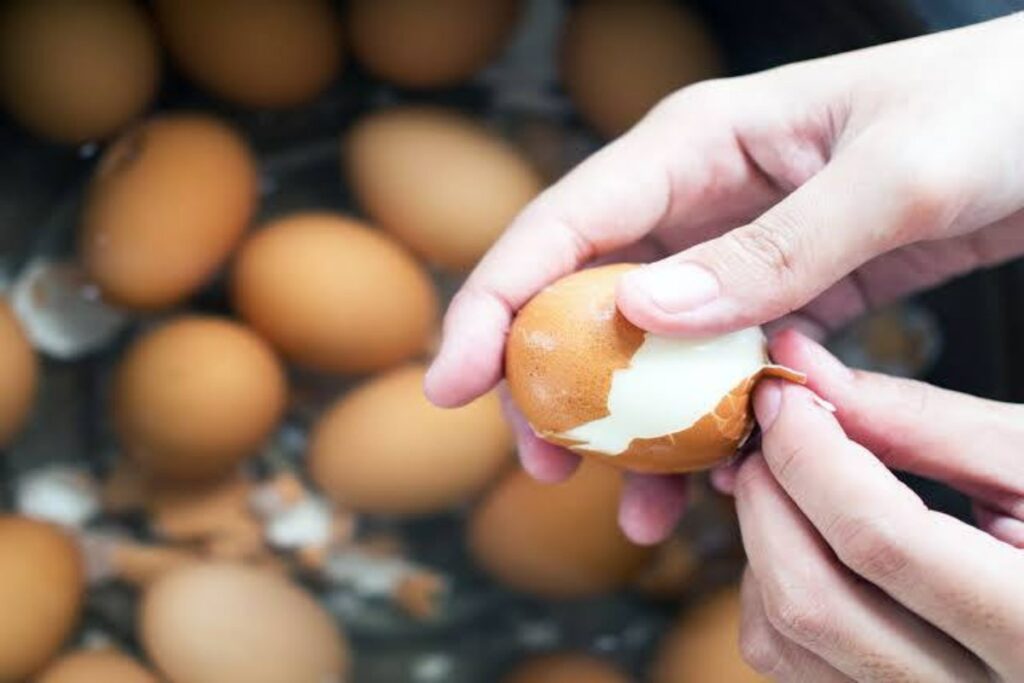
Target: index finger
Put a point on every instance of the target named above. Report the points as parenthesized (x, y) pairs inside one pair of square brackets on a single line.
[(959, 579), (654, 174)]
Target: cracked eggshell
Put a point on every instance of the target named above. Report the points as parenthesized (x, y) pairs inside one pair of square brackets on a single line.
[(90, 666), (588, 379), (557, 541), (215, 622), (19, 369)]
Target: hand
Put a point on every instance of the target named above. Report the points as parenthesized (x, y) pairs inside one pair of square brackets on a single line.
[(851, 577), (853, 180)]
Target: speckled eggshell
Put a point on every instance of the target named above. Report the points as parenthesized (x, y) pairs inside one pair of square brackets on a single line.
[(556, 541), (564, 346), (703, 646), (19, 369)]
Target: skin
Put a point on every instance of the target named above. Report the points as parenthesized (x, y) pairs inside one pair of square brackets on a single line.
[(799, 198)]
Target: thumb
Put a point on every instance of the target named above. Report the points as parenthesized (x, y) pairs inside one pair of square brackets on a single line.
[(971, 443), (845, 215)]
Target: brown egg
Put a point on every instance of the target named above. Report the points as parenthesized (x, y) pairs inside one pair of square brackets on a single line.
[(333, 294), (588, 379), (438, 181), (257, 53), (168, 202), (19, 370), (96, 666), (566, 668), (41, 585), (703, 646), (196, 396), (556, 541), (620, 57), (384, 448), (213, 623), (429, 44), (73, 70)]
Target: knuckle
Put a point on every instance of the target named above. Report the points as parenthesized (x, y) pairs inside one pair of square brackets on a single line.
[(797, 614), (872, 547), (768, 243)]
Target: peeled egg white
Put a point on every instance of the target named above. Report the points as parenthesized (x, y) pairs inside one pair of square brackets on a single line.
[(587, 378)]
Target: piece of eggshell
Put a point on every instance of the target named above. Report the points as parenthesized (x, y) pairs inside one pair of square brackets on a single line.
[(334, 295), (167, 203), (563, 351), (102, 665), (75, 71), (566, 667), (703, 646), (438, 180), (19, 369), (383, 448), (640, 51), (558, 541), (429, 44), (259, 54), (196, 396), (42, 581), (217, 622)]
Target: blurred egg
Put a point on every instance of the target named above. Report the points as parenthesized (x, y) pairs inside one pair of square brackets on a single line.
[(42, 579), (333, 294), (96, 666), (196, 396), (556, 540), (257, 53), (439, 181), (168, 202), (383, 448), (429, 43), (566, 668), (73, 70), (213, 623), (620, 57), (19, 370), (703, 646)]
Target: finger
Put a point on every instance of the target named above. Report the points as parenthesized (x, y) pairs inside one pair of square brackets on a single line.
[(543, 461), (769, 653), (651, 506), (1007, 529), (682, 162), (961, 580), (815, 602), (848, 213), (971, 443)]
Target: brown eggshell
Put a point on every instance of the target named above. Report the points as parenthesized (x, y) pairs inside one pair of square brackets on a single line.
[(438, 181), (96, 666), (384, 448), (263, 53), (169, 200), (556, 541), (429, 44), (620, 58), (217, 622), (42, 579), (562, 350), (196, 396), (704, 645), (333, 294), (566, 667), (19, 369), (74, 71)]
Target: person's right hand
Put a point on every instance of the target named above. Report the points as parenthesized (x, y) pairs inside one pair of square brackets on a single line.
[(822, 188)]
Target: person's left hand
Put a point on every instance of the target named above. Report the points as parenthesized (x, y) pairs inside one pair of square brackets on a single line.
[(850, 575)]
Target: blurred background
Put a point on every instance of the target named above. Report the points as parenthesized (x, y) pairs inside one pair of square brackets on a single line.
[(227, 231)]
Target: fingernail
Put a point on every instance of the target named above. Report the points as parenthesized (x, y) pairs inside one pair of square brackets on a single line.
[(677, 287), (767, 400)]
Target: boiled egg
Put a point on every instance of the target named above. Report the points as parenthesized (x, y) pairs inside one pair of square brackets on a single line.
[(19, 370)]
